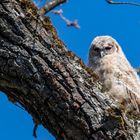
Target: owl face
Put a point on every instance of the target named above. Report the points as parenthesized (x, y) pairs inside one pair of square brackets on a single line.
[(103, 46)]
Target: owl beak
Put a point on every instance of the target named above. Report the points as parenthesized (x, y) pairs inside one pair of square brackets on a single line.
[(102, 54)]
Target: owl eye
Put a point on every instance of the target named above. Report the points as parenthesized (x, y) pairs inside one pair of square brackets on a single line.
[(108, 48), (96, 49)]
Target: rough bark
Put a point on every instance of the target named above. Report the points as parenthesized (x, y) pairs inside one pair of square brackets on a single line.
[(51, 83)]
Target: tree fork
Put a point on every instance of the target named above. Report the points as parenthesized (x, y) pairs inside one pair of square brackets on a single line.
[(51, 83)]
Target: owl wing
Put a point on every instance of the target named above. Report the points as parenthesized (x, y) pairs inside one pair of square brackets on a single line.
[(129, 98), (133, 100)]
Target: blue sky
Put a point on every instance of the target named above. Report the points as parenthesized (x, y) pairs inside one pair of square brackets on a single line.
[(96, 17)]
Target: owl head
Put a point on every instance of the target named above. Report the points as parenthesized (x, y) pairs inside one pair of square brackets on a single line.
[(102, 46)]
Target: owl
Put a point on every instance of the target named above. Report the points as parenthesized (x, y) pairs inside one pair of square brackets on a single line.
[(119, 79)]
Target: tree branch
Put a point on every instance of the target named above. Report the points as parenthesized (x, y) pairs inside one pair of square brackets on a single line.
[(51, 83), (50, 5), (68, 22), (131, 3)]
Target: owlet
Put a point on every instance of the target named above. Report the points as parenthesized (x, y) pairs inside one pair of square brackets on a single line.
[(119, 79)]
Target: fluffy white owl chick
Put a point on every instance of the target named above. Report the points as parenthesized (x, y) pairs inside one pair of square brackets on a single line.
[(119, 79)]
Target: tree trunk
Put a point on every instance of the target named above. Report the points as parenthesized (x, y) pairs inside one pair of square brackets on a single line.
[(51, 83)]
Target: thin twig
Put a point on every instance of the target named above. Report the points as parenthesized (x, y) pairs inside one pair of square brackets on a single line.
[(131, 3), (68, 22), (34, 130), (50, 5)]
